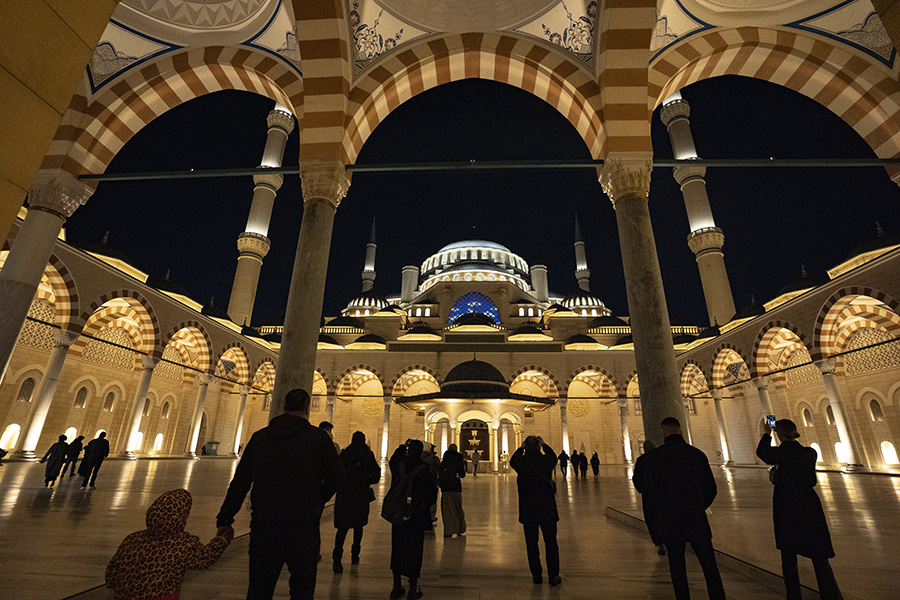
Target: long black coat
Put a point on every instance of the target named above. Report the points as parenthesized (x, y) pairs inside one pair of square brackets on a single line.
[(55, 457), (351, 505), (537, 492), (681, 487), (639, 479), (452, 470), (800, 525)]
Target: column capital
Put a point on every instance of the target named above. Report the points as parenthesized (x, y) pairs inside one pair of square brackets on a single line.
[(622, 402), (324, 180), (331, 400), (269, 180), (678, 108), (685, 173), (562, 401), (705, 240), (626, 174), (388, 401), (716, 393), (761, 383), (148, 363), (246, 389), (826, 366), (63, 338), (57, 192), (281, 119), (205, 378), (253, 243)]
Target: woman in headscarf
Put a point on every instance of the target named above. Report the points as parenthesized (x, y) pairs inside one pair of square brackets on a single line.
[(452, 470), (55, 457), (351, 505)]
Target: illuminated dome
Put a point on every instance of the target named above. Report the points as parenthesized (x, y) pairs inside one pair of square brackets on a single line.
[(586, 304), (475, 376), (367, 303), (474, 260)]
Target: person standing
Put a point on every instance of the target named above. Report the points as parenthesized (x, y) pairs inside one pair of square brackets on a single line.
[(96, 452), (452, 470), (328, 428), (351, 506), (54, 457), (639, 481), (563, 462), (293, 470), (434, 464), (800, 525), (408, 537), (72, 456), (583, 464), (476, 458), (534, 464), (681, 487), (576, 462), (595, 464)]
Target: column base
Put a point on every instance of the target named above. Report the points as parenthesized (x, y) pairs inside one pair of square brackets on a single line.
[(28, 455), (728, 463), (191, 455), (854, 468), (128, 454)]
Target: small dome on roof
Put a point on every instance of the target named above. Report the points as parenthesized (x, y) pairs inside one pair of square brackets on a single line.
[(274, 338), (474, 318), (804, 283), (104, 249), (345, 322), (876, 243), (420, 327), (250, 332), (214, 311), (528, 327), (607, 321), (369, 338), (475, 370), (580, 338), (370, 300), (327, 340), (752, 310), (709, 332), (164, 284), (683, 338), (582, 299), (625, 339)]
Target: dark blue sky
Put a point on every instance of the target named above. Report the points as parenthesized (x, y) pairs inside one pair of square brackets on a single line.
[(775, 220)]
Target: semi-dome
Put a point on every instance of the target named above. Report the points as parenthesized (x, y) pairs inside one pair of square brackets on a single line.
[(474, 318), (345, 322)]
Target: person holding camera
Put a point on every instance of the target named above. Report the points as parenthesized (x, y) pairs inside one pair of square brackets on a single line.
[(800, 526)]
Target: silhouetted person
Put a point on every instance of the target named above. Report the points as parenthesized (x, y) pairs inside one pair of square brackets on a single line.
[(54, 457), (293, 470), (434, 463), (96, 452), (534, 464), (408, 538), (72, 456), (800, 525), (452, 470), (595, 464), (328, 428), (650, 518), (681, 487), (476, 458), (583, 464), (351, 506), (563, 462), (575, 462)]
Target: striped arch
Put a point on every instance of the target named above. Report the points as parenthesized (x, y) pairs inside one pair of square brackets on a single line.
[(399, 376), (600, 371), (192, 334), (693, 379), (94, 129), (603, 383), (334, 385), (773, 339), (403, 386), (531, 66), (264, 375), (559, 391), (122, 307), (236, 353), (320, 374), (58, 288), (856, 88), (724, 357), (632, 388), (828, 321)]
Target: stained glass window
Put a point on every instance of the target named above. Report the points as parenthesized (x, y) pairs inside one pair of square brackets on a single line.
[(473, 302)]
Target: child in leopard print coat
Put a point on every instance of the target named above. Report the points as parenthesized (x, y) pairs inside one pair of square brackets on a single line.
[(150, 563)]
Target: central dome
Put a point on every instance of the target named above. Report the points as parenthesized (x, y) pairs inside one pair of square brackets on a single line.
[(475, 260), (474, 244)]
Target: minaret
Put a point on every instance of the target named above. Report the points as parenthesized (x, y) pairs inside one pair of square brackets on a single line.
[(582, 273), (368, 274), (253, 245), (705, 240)]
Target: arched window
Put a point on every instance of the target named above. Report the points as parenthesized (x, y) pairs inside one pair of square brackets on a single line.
[(456, 277), (492, 277), (71, 432), (139, 440), (875, 411), (479, 277), (807, 418), (108, 402), (503, 278), (165, 411), (146, 410), (593, 312), (366, 313), (157, 442), (99, 431), (26, 390), (427, 312), (80, 397), (829, 415), (531, 312), (839, 450), (418, 312), (357, 313), (468, 277), (521, 311), (818, 450), (889, 453), (474, 302), (10, 436), (583, 312)]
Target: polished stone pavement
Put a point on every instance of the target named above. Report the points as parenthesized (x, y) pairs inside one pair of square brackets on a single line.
[(56, 542)]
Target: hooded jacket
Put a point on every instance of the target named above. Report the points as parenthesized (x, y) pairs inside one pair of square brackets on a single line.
[(151, 563)]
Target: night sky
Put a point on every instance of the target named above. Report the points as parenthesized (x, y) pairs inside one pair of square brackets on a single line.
[(775, 220)]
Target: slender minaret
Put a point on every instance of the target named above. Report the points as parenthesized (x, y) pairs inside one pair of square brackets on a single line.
[(368, 274), (705, 240), (582, 273), (253, 245)]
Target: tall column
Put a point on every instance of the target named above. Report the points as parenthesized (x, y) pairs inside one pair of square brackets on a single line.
[(705, 240), (253, 245), (148, 363), (851, 448), (204, 379), (386, 423), (765, 401), (239, 428), (504, 440), (62, 341), (330, 401), (623, 421), (445, 436), (626, 180), (324, 186), (564, 422), (368, 274), (687, 421), (52, 199), (495, 445), (723, 429)]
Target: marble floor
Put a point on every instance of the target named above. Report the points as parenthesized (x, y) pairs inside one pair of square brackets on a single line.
[(54, 543)]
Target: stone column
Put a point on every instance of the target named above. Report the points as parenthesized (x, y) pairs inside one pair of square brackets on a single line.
[(148, 363), (324, 186), (564, 422), (723, 429), (239, 428), (330, 401), (385, 428), (44, 397), (495, 445), (445, 436), (205, 379), (836, 399), (52, 199), (687, 421), (765, 401), (504, 440), (454, 433), (623, 421), (626, 180)]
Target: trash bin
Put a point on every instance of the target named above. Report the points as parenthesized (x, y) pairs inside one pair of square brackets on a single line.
[(212, 448)]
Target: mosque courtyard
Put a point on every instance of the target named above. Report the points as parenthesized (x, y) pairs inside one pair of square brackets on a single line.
[(57, 541)]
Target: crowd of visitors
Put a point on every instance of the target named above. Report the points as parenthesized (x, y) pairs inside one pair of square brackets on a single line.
[(62, 455)]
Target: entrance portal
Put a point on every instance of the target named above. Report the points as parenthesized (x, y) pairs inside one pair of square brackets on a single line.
[(475, 436)]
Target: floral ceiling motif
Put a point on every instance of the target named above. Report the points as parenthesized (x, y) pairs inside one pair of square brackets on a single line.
[(200, 14), (121, 48), (570, 25), (279, 37), (376, 31)]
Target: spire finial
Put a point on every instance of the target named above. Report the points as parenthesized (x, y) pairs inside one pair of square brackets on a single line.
[(105, 239), (168, 273), (372, 234), (878, 229), (752, 300), (803, 274), (578, 237)]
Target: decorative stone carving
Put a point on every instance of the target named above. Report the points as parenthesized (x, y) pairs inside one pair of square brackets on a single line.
[(205, 378), (254, 244), (708, 239), (678, 108), (57, 192), (372, 407), (148, 363), (579, 407), (270, 180), (63, 338), (626, 174), (686, 173), (324, 180), (826, 366), (761, 383), (281, 119)]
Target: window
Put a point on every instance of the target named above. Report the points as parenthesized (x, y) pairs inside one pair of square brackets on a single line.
[(80, 397), (165, 411), (315, 403), (807, 418), (108, 402), (26, 390), (267, 402), (839, 450), (479, 277), (427, 312), (875, 411), (418, 312), (691, 406), (157, 442), (818, 450), (637, 407), (468, 277), (889, 453), (99, 431), (521, 312), (583, 312), (530, 312), (474, 302), (829, 415), (593, 312), (146, 410), (10, 436), (139, 440)]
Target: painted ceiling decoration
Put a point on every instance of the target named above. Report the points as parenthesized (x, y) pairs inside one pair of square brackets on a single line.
[(673, 24), (376, 31), (199, 14), (120, 49), (279, 37), (570, 25)]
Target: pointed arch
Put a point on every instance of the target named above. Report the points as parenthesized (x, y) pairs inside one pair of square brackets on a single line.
[(600, 371), (555, 389), (333, 385), (828, 321)]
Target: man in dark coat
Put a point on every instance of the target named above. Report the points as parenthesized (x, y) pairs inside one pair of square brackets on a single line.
[(595, 464), (534, 464), (450, 474), (55, 457), (800, 526), (96, 452), (563, 462), (583, 464), (575, 462), (293, 470), (351, 506), (72, 455), (681, 487), (408, 538), (639, 478)]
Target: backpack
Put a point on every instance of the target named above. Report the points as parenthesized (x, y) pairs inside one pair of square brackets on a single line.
[(397, 506)]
